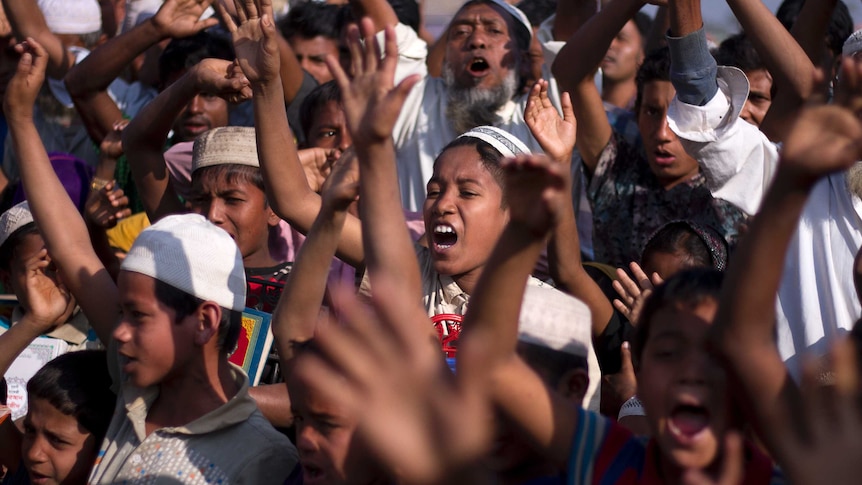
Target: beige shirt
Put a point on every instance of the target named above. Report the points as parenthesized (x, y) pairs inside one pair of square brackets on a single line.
[(232, 444)]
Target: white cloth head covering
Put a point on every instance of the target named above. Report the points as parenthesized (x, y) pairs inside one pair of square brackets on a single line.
[(234, 145), (193, 255), (853, 44), (72, 16), (503, 141), (13, 219), (555, 320)]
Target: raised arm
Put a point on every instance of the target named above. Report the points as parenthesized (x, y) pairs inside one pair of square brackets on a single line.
[(88, 81), (790, 67), (144, 137), (824, 140), (287, 189), (570, 15), (574, 68), (61, 225), (556, 136), (27, 20), (537, 196), (371, 106)]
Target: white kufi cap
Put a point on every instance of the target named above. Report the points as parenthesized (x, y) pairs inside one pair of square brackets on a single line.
[(72, 16), (13, 219), (234, 145)]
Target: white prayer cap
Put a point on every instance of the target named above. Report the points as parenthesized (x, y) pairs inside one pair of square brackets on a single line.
[(193, 255), (853, 44), (138, 11), (502, 141), (13, 219), (72, 16), (235, 145), (552, 319)]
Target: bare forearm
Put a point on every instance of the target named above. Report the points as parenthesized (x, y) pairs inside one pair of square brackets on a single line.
[(274, 403), (291, 71), (27, 20), (387, 244), (14, 341), (296, 315), (811, 25), (571, 15), (685, 17)]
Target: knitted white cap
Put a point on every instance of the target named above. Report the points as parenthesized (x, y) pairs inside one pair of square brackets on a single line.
[(502, 141), (226, 145), (555, 320), (193, 255), (13, 219), (72, 16), (853, 44)]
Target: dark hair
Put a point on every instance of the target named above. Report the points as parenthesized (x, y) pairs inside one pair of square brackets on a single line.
[(550, 363), (537, 10), (312, 19), (7, 250), (184, 304), (682, 238), (644, 23), (78, 385), (181, 54), (738, 51), (315, 101), (839, 29), (489, 155), (231, 172), (690, 287), (656, 67), (407, 12)]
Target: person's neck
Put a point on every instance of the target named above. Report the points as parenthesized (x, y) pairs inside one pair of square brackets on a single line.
[(467, 281), (259, 259), (619, 93), (200, 390)]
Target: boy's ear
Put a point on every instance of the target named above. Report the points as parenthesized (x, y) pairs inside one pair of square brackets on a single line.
[(272, 218), (573, 385), (209, 319)]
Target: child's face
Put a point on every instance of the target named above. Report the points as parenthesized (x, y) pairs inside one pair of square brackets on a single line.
[(463, 212), (329, 128), (681, 387), (151, 345), (55, 448), (325, 430), (239, 207)]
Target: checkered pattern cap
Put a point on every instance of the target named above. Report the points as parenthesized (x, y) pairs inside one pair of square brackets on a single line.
[(13, 219), (555, 320), (234, 145)]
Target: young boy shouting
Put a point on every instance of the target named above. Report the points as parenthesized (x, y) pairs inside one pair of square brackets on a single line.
[(182, 407)]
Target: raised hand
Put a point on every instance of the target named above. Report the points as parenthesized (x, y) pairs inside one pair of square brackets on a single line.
[(848, 92), (823, 140), (106, 206), (221, 78), (254, 38), (22, 90), (381, 368), (48, 302), (633, 292), (536, 191), (181, 18), (555, 135), (112, 145), (317, 164), (371, 102), (341, 188)]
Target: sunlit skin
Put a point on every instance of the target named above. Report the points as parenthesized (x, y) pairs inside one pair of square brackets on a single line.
[(153, 348), (203, 113), (16, 277), (464, 199), (240, 208), (620, 66), (311, 54), (677, 374), (666, 157), (759, 96), (55, 448), (481, 31), (328, 452)]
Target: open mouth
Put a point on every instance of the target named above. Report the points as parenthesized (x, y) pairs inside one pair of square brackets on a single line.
[(444, 237), (478, 66), (311, 473), (687, 421), (663, 157)]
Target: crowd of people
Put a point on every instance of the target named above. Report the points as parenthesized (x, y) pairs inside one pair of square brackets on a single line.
[(564, 242)]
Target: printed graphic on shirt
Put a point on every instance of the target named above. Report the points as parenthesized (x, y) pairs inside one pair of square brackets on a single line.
[(157, 459)]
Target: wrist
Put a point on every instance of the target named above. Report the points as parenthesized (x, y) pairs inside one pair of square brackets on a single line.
[(34, 325)]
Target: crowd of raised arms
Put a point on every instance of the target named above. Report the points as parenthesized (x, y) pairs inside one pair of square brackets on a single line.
[(560, 242)]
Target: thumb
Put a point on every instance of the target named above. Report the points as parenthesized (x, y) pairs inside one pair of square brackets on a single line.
[(626, 359)]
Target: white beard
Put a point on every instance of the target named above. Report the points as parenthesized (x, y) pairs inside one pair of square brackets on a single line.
[(470, 107)]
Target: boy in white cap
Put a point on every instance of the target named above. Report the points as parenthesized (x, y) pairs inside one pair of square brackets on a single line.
[(180, 293)]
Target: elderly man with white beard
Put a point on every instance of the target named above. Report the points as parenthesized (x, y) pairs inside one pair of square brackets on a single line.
[(485, 67)]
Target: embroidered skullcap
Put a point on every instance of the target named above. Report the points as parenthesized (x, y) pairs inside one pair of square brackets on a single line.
[(714, 241), (853, 44), (13, 219), (555, 320), (502, 141), (234, 145), (521, 20), (72, 16), (193, 255)]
